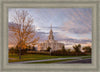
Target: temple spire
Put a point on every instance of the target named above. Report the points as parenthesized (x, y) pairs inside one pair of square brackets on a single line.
[(51, 37)]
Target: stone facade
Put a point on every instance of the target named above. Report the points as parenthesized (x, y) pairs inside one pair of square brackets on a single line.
[(53, 44)]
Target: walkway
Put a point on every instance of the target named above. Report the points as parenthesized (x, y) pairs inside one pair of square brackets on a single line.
[(75, 61)]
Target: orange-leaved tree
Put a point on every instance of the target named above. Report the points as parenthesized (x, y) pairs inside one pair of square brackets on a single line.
[(23, 30)]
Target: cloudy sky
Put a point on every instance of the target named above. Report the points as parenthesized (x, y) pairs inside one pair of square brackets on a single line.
[(70, 25)]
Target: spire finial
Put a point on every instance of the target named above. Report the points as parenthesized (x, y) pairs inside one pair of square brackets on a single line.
[(51, 26)]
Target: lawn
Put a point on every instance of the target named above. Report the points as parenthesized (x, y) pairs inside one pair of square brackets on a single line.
[(86, 57), (29, 57)]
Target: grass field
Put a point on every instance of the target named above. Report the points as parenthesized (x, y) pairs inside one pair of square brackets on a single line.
[(86, 57), (29, 57)]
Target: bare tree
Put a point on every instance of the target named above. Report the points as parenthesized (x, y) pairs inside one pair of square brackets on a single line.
[(23, 30)]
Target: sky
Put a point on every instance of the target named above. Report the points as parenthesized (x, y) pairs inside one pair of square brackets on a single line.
[(70, 25)]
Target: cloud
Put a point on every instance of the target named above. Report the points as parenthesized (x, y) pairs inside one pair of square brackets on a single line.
[(70, 40), (42, 35), (72, 27), (79, 21)]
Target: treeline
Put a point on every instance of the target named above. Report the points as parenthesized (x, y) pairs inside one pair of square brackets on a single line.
[(77, 51), (15, 50)]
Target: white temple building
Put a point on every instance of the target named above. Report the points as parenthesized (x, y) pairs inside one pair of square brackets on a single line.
[(51, 42)]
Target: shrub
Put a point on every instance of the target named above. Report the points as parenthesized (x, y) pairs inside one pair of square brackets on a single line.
[(38, 52)]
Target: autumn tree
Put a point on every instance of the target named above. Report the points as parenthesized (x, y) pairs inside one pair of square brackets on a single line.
[(23, 30)]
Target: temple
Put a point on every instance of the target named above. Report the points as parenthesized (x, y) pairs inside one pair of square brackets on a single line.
[(51, 42)]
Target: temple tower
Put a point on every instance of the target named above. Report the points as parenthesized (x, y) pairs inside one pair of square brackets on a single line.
[(51, 37)]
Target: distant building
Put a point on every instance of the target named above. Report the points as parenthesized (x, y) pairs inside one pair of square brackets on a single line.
[(53, 44)]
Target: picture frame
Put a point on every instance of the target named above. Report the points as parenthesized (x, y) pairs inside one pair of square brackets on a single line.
[(6, 67)]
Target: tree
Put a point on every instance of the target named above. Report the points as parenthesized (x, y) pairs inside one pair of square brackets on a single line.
[(87, 49), (11, 50), (33, 48), (77, 48), (68, 50), (63, 49), (29, 47), (48, 49), (23, 30)]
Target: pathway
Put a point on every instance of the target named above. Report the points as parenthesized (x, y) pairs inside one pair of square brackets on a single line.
[(75, 61)]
